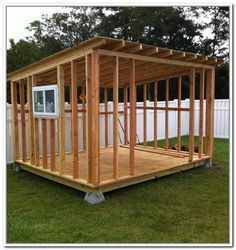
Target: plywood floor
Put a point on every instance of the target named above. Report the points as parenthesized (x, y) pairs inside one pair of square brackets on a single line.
[(145, 163)]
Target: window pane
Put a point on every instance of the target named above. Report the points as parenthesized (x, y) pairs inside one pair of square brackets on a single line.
[(38, 101), (50, 102)]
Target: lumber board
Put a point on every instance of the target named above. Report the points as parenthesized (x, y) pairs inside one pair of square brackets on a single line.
[(22, 110), (201, 112), (15, 120), (167, 114), (84, 117), (106, 116), (155, 112), (191, 114), (152, 59), (74, 119), (132, 116), (115, 115), (179, 114), (210, 88), (36, 130), (44, 143), (52, 145), (92, 92), (144, 114), (125, 93), (30, 120), (147, 164), (61, 127)]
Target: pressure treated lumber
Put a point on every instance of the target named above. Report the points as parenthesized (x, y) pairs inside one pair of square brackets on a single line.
[(148, 166), (125, 93), (52, 145), (201, 112), (144, 114), (36, 130), (179, 114), (167, 115), (74, 119), (210, 88), (106, 116), (155, 113), (191, 114), (84, 117), (44, 143), (15, 133), (22, 110), (61, 87), (132, 116), (115, 115), (92, 97), (30, 120)]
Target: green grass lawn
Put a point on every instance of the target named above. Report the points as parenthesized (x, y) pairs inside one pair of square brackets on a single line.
[(187, 207)]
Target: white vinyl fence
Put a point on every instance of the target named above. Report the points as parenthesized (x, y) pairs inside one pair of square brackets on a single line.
[(221, 124)]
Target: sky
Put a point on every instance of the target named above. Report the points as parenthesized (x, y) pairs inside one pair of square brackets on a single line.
[(18, 18)]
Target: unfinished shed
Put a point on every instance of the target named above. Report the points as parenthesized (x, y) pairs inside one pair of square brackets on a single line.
[(102, 64)]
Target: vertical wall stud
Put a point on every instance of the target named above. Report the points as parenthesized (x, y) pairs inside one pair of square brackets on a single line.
[(106, 116), (167, 115), (30, 120), (74, 101), (201, 112), (132, 116), (179, 114), (144, 115), (44, 143), (52, 144), (155, 113), (92, 92), (115, 115), (84, 117), (125, 115), (210, 90), (61, 86), (36, 131), (22, 109), (191, 114), (15, 120)]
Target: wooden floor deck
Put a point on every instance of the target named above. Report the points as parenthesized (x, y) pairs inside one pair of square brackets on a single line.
[(148, 165)]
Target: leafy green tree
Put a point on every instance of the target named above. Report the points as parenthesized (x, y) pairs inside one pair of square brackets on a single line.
[(21, 54)]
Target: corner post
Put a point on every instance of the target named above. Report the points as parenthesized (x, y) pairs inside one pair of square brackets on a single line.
[(14, 115), (210, 93), (92, 97), (30, 119)]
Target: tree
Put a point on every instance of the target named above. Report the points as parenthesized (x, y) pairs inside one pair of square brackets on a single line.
[(21, 54), (217, 21)]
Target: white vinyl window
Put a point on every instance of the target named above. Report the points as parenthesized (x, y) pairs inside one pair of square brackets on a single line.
[(45, 101)]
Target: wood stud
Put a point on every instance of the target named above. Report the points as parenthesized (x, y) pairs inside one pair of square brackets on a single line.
[(132, 116), (22, 110), (191, 114), (74, 114)]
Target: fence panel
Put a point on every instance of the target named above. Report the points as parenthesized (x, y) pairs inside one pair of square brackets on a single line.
[(221, 124)]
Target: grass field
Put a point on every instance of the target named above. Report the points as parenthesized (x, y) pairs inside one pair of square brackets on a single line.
[(188, 207)]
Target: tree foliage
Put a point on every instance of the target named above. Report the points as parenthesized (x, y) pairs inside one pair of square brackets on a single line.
[(171, 27)]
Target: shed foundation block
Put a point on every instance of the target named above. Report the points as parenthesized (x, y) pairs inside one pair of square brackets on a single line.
[(94, 198), (208, 164), (17, 168)]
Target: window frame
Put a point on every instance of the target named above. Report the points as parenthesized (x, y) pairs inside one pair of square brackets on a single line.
[(54, 114)]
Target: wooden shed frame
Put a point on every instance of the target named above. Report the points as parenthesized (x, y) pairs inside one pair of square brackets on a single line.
[(110, 63)]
